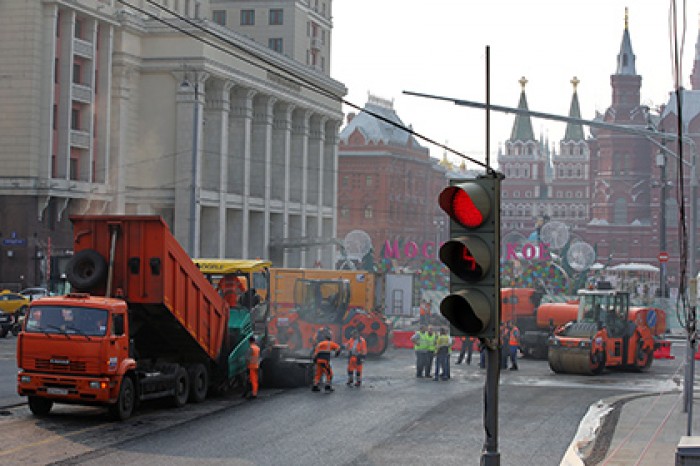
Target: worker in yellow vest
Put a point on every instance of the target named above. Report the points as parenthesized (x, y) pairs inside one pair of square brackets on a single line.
[(443, 349)]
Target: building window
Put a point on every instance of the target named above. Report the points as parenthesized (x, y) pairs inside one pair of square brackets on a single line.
[(247, 17), (219, 17), (275, 44), (78, 29), (75, 119), (346, 180), (276, 16), (55, 115), (77, 73), (368, 181), (55, 71), (73, 168), (344, 211), (369, 212)]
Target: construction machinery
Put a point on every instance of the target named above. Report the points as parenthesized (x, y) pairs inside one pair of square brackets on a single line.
[(536, 320), (145, 324), (607, 333), (322, 307)]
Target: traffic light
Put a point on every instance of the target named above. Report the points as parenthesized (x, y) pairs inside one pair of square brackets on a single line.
[(472, 255)]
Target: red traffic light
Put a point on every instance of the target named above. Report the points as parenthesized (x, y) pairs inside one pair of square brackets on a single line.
[(468, 311), (467, 257), (468, 204)]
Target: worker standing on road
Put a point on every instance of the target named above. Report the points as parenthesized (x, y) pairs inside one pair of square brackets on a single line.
[(514, 345), (420, 348), (505, 345), (253, 367), (466, 348), (357, 351), (431, 339), (443, 348), (322, 358)]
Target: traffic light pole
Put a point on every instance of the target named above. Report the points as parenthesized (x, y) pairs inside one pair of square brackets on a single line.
[(490, 455)]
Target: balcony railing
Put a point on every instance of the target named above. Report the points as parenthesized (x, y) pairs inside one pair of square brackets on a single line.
[(83, 48), (82, 93), (80, 139)]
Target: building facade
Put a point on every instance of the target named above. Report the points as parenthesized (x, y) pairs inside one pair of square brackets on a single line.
[(298, 29), (615, 189), (109, 110), (388, 187)]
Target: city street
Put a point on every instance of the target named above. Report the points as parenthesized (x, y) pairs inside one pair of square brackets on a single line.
[(393, 419)]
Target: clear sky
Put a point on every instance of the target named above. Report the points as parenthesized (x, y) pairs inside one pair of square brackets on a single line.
[(438, 47)]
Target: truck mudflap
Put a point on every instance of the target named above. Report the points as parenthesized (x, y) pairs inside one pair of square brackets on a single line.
[(68, 389)]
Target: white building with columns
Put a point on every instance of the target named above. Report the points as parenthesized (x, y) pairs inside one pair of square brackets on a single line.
[(108, 109)]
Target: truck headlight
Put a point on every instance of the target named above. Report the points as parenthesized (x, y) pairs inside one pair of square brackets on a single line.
[(25, 379), (98, 385)]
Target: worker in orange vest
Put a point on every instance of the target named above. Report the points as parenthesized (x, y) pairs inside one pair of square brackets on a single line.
[(253, 367), (322, 358), (425, 312), (513, 345), (231, 288), (357, 351)]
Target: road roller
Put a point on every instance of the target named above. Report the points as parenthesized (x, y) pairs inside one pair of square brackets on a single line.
[(607, 333)]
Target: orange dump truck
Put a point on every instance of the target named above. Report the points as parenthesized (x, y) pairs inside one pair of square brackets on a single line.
[(146, 324)]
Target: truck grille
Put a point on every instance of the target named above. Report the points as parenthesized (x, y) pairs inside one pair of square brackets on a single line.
[(59, 364)]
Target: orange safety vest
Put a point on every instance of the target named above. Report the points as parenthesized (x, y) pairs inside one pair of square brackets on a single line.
[(323, 350), (357, 347), (514, 336), (231, 288), (254, 356)]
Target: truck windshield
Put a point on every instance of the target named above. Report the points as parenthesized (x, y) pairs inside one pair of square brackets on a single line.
[(67, 320)]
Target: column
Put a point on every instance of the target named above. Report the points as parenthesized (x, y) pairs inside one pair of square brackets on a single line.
[(215, 165), (190, 98), (239, 171)]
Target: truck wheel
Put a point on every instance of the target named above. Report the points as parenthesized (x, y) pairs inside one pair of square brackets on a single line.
[(39, 406), (124, 407), (86, 270), (182, 388), (199, 383)]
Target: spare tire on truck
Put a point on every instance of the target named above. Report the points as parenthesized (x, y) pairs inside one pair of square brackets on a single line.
[(86, 270)]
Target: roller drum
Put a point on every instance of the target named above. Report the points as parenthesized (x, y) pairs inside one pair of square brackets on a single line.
[(572, 360)]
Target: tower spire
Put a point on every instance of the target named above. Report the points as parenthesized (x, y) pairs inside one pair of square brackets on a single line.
[(522, 127), (574, 131)]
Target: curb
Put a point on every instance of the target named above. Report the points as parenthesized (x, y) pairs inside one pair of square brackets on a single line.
[(601, 416)]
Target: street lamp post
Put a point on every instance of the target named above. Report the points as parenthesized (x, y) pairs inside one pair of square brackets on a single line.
[(661, 163)]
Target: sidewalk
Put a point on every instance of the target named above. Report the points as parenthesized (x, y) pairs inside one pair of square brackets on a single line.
[(641, 429)]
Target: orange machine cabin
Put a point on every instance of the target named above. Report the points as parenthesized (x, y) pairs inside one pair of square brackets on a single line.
[(77, 334)]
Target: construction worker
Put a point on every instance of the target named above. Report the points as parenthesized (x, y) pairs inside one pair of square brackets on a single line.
[(425, 312), (418, 347), (466, 348), (357, 351), (231, 288), (253, 367), (430, 338), (513, 345), (443, 348), (505, 345), (322, 358)]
